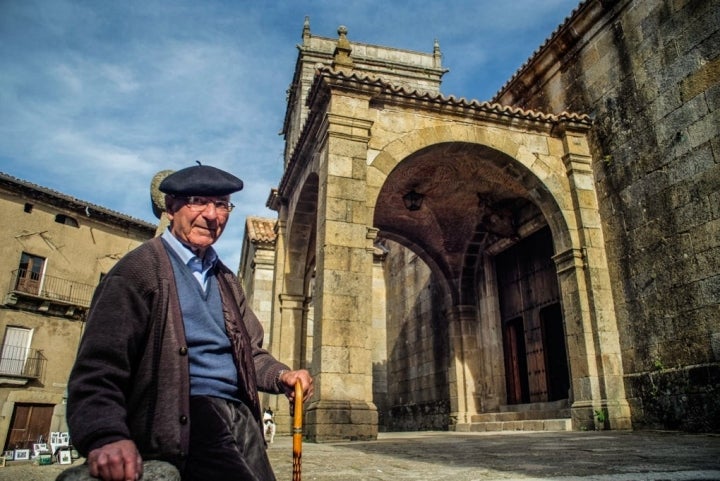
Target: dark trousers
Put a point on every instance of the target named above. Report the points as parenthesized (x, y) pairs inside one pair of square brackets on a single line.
[(226, 443)]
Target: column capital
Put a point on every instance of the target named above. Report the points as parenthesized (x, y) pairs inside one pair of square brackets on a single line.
[(291, 301), (350, 128), (569, 259), (577, 164)]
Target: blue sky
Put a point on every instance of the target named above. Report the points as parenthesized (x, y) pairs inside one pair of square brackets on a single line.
[(96, 96)]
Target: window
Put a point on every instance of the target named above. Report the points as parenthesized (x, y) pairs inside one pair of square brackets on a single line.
[(15, 349), (29, 274), (67, 220)]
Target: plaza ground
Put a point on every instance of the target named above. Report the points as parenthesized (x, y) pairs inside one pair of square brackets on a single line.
[(546, 456)]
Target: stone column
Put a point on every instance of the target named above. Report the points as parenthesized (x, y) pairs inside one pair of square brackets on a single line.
[(491, 390), (342, 407), (284, 325), (464, 366), (591, 328)]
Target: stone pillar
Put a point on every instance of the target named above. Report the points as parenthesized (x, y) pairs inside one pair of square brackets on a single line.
[(261, 294), (283, 327), (278, 281), (342, 407), (591, 328), (491, 389), (464, 366), (287, 348), (379, 332)]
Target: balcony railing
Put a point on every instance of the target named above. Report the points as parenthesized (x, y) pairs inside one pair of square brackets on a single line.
[(22, 362), (52, 288)]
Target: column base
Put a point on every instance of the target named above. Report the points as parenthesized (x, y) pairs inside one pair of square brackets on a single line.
[(599, 415), (328, 421)]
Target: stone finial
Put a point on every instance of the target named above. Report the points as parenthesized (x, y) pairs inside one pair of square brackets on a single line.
[(157, 199), (306, 29), (437, 56), (341, 57)]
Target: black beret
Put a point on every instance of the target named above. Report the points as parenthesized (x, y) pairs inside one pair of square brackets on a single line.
[(200, 180)]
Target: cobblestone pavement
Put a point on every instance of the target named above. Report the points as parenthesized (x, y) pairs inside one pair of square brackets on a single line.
[(571, 456)]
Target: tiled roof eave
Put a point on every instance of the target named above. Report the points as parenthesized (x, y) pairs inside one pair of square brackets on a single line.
[(264, 244), (261, 231), (385, 91), (585, 17), (79, 207)]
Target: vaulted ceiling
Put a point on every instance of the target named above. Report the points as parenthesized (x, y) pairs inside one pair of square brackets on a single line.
[(473, 197)]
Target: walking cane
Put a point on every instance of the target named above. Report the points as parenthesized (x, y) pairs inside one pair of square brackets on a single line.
[(297, 431)]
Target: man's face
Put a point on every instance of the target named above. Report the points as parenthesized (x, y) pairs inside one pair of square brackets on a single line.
[(196, 225)]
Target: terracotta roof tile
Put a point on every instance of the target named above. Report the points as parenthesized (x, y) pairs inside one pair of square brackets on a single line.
[(492, 108), (261, 230)]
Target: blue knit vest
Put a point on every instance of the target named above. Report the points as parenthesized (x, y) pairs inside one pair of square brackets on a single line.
[(212, 367)]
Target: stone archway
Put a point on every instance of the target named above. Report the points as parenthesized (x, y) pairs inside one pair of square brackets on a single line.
[(511, 172), (532, 188)]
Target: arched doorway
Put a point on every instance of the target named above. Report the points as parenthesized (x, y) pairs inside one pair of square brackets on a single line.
[(489, 275)]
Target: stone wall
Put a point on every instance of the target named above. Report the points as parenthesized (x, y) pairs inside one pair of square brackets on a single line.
[(648, 72), (418, 349)]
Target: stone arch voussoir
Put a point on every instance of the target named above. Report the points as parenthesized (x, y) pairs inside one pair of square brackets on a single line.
[(539, 153)]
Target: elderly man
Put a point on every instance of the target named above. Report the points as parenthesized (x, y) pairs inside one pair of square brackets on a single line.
[(171, 360)]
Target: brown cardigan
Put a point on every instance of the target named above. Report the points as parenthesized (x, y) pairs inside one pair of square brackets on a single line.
[(131, 376)]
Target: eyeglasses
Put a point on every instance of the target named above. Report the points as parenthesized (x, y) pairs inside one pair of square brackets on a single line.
[(199, 204)]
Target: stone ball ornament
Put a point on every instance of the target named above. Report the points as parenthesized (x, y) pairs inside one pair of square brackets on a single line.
[(157, 198)]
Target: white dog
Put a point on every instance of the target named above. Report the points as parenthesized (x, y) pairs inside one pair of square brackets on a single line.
[(269, 424)]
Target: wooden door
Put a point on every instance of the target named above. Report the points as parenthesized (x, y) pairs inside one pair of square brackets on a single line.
[(516, 377), (29, 422), (29, 273), (527, 284)]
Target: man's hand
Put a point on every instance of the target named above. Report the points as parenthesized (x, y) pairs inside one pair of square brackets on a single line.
[(289, 378), (118, 461)]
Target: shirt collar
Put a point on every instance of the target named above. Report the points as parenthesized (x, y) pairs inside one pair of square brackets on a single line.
[(187, 255)]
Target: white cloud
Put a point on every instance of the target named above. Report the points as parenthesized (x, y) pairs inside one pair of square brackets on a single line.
[(96, 97)]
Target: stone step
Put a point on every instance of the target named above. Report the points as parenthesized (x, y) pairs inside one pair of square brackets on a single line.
[(523, 425), (538, 406), (507, 416)]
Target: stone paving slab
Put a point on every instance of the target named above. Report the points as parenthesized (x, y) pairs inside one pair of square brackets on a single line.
[(526, 456)]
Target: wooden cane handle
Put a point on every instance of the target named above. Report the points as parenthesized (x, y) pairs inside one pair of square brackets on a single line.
[(297, 431)]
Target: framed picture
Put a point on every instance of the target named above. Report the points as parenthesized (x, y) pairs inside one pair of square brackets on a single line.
[(9, 455), (22, 454), (65, 457), (2, 461), (54, 437), (39, 448)]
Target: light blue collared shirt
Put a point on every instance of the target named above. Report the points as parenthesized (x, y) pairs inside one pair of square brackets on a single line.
[(199, 267)]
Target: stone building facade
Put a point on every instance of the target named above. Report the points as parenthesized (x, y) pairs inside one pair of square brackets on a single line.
[(54, 249), (547, 260), (648, 72)]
